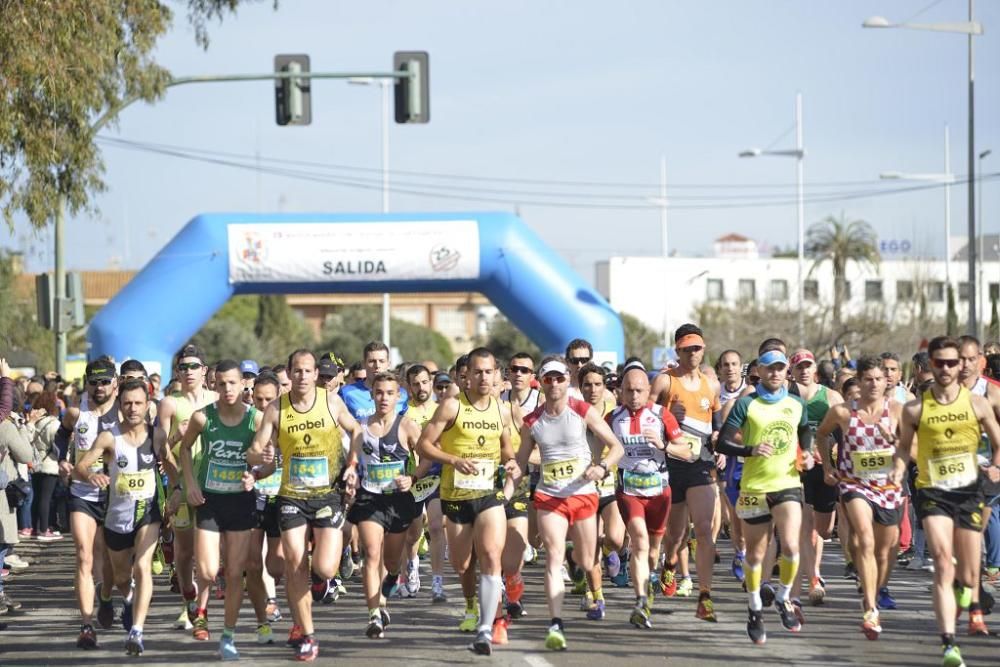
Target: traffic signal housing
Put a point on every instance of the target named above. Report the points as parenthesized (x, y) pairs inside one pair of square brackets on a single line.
[(292, 96), (413, 99)]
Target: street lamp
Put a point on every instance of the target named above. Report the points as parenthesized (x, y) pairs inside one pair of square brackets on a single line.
[(982, 156), (947, 178), (798, 153), (969, 28), (386, 111)]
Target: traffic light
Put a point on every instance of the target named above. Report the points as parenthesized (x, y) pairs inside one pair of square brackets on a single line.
[(292, 101), (59, 314), (413, 99)]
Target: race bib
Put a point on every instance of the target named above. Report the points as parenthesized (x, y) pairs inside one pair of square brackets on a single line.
[(381, 477), (872, 465), (606, 486), (136, 485), (481, 479), (224, 477), (269, 485), (636, 447), (693, 441), (311, 472), (642, 483), (953, 472), (559, 474), (422, 489), (752, 505)]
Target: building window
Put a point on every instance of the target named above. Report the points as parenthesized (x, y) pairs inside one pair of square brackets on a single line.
[(935, 291), (778, 290), (748, 289), (847, 290), (715, 291), (810, 290), (873, 290), (904, 290), (451, 322), (995, 291), (963, 291)]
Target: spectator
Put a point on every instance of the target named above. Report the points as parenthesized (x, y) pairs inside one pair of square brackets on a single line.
[(6, 390), (14, 449), (43, 423)]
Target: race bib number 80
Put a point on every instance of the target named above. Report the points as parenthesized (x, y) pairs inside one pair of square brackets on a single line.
[(136, 485)]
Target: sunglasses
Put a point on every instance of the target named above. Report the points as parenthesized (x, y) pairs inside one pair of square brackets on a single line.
[(441, 387), (190, 366), (691, 349), (554, 379), (99, 383), (521, 370), (326, 378), (579, 360), (945, 363)]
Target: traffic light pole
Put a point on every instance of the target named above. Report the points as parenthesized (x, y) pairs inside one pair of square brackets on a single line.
[(60, 264)]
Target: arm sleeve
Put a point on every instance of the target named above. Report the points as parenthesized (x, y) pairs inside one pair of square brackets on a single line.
[(717, 420), (670, 425), (727, 444), (62, 442), (6, 397), (805, 433)]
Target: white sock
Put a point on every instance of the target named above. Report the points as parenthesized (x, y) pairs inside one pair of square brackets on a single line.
[(490, 587), (782, 593), (755, 603)]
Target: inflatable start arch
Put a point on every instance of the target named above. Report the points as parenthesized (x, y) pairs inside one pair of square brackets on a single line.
[(218, 255)]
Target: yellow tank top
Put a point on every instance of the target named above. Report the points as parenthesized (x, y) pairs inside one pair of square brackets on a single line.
[(311, 451), (421, 413), (474, 435), (947, 440), (183, 409)]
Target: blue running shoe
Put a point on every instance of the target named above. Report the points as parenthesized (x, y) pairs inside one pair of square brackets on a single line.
[(737, 567), (227, 649), (885, 599), (613, 564), (127, 617)]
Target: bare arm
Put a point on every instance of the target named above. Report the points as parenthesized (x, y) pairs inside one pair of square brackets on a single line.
[(261, 452), (836, 416), (988, 423), (907, 440), (104, 444), (194, 429), (605, 439)]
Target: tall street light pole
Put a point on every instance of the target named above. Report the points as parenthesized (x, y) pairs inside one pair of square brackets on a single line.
[(982, 257), (799, 153), (970, 28)]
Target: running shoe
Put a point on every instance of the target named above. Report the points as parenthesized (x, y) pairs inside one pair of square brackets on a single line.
[(787, 613), (952, 657), (817, 592), (220, 585), (200, 632), (706, 610), (106, 614), (470, 621), (668, 582), (133, 645), (346, 564), (26, 533), (990, 576), (621, 579), (319, 587), (272, 610), (375, 629), (158, 563), (767, 594), (384, 615), (127, 616), (183, 621), (516, 610), (596, 611), (413, 577), (500, 630), (885, 599), (390, 584), (555, 640), (684, 587), (437, 592), (308, 650), (737, 566), (580, 585), (916, 564), (334, 589), (227, 649), (797, 606), (423, 546), (175, 586), (565, 575), (640, 617), (870, 624), (755, 627), (977, 625), (294, 637), (87, 638), (529, 554), (483, 643), (613, 564), (265, 635), (49, 536), (850, 572)]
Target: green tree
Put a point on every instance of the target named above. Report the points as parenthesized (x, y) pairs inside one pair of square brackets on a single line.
[(223, 338), (993, 331), (350, 328), (837, 240), (65, 64), (19, 328), (505, 340), (639, 339)]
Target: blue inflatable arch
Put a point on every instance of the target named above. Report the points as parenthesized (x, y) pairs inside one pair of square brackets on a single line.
[(218, 255)]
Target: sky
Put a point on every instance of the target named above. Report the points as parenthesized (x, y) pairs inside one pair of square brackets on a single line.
[(570, 103)]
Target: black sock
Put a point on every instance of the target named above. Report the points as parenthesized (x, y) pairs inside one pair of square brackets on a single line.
[(704, 595), (975, 606), (947, 640), (557, 622)]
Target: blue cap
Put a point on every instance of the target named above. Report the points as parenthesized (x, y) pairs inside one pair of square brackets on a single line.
[(772, 357), (249, 366)]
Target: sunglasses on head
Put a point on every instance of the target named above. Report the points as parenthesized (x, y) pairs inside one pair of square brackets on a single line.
[(554, 379), (691, 349), (945, 363), (103, 382), (579, 360), (190, 366), (521, 370)]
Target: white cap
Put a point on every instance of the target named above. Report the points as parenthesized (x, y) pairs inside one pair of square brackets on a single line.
[(553, 366)]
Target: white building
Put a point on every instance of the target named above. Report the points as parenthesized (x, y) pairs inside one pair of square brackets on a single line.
[(665, 293)]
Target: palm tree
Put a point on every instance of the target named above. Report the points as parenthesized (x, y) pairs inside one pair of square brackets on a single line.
[(837, 241)]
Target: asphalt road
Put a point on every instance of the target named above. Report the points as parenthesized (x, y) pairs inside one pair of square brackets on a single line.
[(44, 631)]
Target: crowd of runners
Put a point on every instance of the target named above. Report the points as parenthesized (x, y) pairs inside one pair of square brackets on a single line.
[(245, 479)]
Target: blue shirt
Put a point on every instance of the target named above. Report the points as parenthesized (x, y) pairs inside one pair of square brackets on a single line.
[(358, 399)]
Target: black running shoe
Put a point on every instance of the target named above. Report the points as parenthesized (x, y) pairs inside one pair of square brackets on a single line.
[(755, 627)]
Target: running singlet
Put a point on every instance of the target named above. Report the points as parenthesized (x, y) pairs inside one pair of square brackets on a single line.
[(865, 461), (565, 452), (947, 439), (421, 413), (383, 459), (725, 395), (778, 424), (85, 431), (696, 426), (224, 455), (527, 404), (643, 468), (311, 454), (358, 399), (133, 489), (474, 435), (425, 487), (183, 409), (523, 490)]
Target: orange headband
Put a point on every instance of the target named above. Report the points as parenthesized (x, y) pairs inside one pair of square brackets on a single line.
[(689, 340)]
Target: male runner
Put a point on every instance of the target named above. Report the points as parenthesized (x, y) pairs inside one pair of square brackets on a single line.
[(306, 424), (693, 399), (775, 430), (358, 394), (132, 521), (566, 497), (947, 421), (221, 490), (468, 435), (729, 368)]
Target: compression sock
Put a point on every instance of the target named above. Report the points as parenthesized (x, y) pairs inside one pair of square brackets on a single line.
[(490, 587), (787, 569)]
